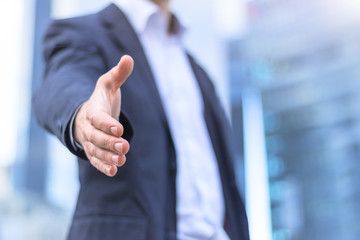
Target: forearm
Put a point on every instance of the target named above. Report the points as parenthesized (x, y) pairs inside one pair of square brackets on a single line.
[(54, 104), (72, 67)]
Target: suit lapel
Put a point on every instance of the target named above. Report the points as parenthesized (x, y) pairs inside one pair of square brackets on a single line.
[(120, 29), (202, 79)]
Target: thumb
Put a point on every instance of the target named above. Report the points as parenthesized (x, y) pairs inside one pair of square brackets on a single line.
[(115, 78)]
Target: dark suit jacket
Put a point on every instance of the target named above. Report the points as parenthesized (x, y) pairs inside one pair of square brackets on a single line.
[(139, 202)]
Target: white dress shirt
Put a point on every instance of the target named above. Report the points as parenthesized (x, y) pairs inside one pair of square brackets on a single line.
[(200, 204)]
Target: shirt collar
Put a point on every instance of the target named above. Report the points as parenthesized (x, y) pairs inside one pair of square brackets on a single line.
[(139, 13)]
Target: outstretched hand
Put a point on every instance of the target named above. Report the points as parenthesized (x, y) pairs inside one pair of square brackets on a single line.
[(96, 125)]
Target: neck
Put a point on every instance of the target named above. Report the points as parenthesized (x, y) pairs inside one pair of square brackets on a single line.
[(164, 6)]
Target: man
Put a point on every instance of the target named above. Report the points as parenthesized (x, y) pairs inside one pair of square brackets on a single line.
[(177, 182)]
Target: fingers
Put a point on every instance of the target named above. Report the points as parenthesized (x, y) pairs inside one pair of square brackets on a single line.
[(106, 123), (116, 77), (108, 169), (105, 161), (105, 156), (108, 142), (105, 151)]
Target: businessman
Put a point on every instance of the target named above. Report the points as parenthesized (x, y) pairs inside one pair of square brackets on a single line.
[(153, 143)]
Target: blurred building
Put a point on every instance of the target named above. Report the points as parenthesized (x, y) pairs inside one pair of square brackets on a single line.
[(304, 59)]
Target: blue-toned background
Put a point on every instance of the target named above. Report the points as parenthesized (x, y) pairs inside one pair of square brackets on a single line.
[(288, 74)]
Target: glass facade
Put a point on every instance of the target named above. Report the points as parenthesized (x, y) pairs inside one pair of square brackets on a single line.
[(303, 58)]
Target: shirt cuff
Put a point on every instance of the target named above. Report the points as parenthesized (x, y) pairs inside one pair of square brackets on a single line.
[(73, 142)]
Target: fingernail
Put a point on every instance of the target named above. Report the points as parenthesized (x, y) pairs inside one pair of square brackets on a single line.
[(113, 130), (108, 169), (115, 159), (118, 147)]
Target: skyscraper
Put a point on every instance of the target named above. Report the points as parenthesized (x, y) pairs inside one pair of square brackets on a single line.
[(304, 59)]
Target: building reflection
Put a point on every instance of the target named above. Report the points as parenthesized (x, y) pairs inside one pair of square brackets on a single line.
[(304, 58)]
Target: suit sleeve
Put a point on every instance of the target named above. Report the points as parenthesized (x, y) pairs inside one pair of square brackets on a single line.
[(72, 66)]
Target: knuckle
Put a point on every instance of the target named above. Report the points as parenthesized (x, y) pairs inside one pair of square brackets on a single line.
[(98, 165), (102, 123), (82, 136), (94, 162), (92, 150), (103, 168), (90, 116), (91, 137), (110, 158), (87, 149), (107, 142)]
